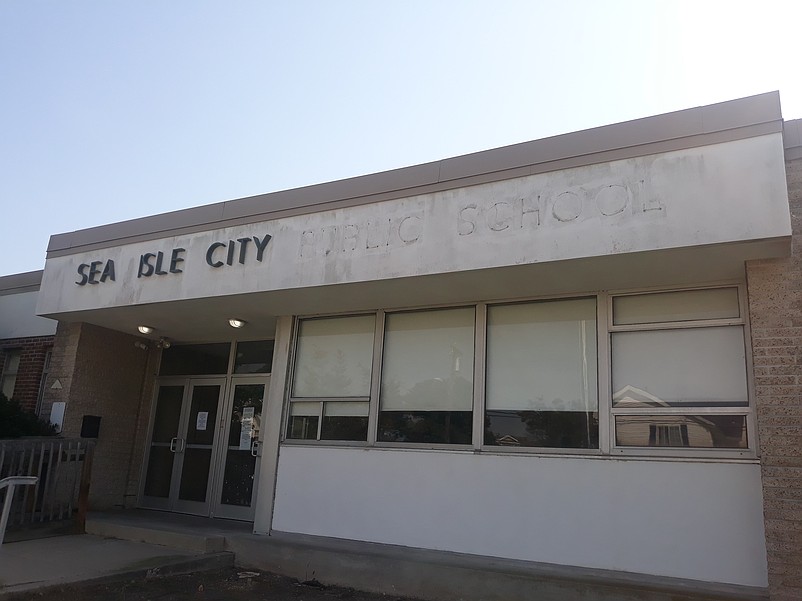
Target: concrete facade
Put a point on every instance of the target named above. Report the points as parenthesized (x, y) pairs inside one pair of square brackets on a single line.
[(697, 199)]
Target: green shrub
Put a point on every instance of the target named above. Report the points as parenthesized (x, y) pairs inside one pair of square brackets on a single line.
[(16, 421)]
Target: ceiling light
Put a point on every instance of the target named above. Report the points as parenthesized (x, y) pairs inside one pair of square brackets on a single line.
[(236, 323), (145, 329)]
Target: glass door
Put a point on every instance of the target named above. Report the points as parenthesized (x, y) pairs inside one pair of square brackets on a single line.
[(161, 461), (239, 456), (184, 433), (195, 454)]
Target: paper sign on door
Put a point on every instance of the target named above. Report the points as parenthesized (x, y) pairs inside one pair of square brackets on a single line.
[(246, 433), (200, 422)]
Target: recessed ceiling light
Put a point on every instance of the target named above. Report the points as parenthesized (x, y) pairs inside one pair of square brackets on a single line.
[(236, 323), (145, 329)]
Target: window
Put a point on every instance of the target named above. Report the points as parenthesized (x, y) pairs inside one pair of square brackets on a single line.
[(195, 359), (10, 369), (664, 373), (679, 370), (541, 375), (43, 380), (427, 377), (331, 379)]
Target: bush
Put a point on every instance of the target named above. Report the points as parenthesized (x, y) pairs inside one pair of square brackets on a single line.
[(16, 421)]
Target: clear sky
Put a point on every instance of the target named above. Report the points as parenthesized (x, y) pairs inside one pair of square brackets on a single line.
[(116, 110)]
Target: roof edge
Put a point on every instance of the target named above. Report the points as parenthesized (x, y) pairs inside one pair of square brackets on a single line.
[(740, 118), (16, 283), (792, 139)]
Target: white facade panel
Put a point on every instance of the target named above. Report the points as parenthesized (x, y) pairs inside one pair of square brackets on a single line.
[(723, 193), (18, 317), (695, 520)]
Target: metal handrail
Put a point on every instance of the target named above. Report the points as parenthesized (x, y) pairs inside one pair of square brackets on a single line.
[(11, 482)]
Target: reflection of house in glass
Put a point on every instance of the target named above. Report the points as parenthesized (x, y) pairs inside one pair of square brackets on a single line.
[(673, 429)]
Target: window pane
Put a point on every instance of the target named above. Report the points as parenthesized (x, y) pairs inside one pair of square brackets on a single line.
[(553, 429), (303, 422), (541, 377), (345, 420), (12, 362), (428, 361), (684, 305), (334, 357), (8, 384), (692, 431), (195, 359), (702, 367), (254, 357), (427, 377)]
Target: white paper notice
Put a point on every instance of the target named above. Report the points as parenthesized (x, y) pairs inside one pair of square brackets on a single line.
[(203, 417), (246, 433)]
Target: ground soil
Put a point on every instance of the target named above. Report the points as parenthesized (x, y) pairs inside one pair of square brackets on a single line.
[(220, 585)]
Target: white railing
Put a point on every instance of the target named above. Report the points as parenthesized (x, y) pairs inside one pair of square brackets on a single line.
[(10, 484)]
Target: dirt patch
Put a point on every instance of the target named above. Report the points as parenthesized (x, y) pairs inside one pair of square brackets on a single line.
[(221, 585)]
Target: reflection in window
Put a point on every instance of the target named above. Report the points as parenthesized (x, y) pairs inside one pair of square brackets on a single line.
[(427, 377), (701, 367), (541, 375), (692, 431)]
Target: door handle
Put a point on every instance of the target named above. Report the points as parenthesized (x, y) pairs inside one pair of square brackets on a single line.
[(173, 443), (255, 448), (182, 444)]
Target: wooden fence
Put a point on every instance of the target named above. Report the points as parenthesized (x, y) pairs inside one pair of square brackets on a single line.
[(62, 466)]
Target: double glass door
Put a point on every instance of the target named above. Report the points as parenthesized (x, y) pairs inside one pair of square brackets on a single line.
[(203, 449)]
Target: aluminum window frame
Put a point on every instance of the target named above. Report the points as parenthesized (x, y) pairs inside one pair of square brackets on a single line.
[(290, 399), (748, 411), (606, 412)]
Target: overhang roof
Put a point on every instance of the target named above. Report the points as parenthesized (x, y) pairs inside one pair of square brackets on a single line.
[(726, 121)]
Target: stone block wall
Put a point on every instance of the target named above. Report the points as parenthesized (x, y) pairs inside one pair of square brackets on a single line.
[(775, 307), (32, 361)]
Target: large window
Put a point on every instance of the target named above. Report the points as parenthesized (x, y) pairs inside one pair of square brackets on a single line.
[(330, 394), (679, 370), (664, 373), (541, 375), (427, 377)]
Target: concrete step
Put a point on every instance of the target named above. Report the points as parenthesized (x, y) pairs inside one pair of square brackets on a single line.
[(155, 532)]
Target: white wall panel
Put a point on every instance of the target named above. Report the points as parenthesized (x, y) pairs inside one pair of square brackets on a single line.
[(701, 521), (18, 317)]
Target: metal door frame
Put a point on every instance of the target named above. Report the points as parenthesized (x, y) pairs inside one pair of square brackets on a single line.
[(172, 502), (218, 509)]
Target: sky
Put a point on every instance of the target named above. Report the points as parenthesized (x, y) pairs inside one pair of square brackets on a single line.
[(116, 110)]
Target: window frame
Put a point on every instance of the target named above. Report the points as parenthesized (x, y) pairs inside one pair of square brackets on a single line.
[(12, 375), (607, 448), (290, 399), (752, 449)]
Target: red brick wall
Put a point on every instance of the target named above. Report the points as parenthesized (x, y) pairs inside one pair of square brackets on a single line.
[(32, 362), (775, 308)]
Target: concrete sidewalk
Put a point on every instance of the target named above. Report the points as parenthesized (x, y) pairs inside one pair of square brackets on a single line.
[(31, 564)]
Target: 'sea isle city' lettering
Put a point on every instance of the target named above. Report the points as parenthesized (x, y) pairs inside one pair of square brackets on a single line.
[(218, 254)]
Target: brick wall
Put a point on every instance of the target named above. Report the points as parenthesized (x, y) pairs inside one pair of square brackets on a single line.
[(102, 372), (775, 308), (32, 361)]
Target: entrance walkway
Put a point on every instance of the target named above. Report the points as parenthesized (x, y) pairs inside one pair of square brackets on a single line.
[(131, 543), (45, 562)]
